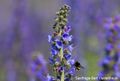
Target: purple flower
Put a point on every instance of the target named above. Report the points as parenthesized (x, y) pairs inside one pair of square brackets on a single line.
[(65, 35), (109, 63), (107, 60), (71, 61), (49, 38), (117, 69), (38, 67), (59, 44), (54, 52), (50, 78), (61, 60), (55, 47), (101, 74), (109, 46), (52, 61), (72, 71), (67, 29), (67, 38), (70, 47), (67, 56)]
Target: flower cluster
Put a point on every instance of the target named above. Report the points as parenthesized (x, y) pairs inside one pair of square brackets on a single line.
[(38, 68), (117, 70), (109, 63), (64, 66)]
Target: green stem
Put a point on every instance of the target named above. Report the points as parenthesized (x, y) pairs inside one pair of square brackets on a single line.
[(61, 57), (62, 76), (61, 54)]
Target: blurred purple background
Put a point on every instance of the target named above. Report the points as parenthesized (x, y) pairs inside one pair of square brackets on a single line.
[(25, 25)]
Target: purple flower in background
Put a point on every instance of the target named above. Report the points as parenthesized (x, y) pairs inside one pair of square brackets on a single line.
[(39, 68), (109, 63), (117, 69), (64, 66), (49, 38), (117, 65)]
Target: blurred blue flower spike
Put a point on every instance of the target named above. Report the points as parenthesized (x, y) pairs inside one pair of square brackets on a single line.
[(39, 68), (110, 62)]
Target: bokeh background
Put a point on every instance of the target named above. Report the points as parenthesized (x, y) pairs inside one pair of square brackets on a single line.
[(26, 24)]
